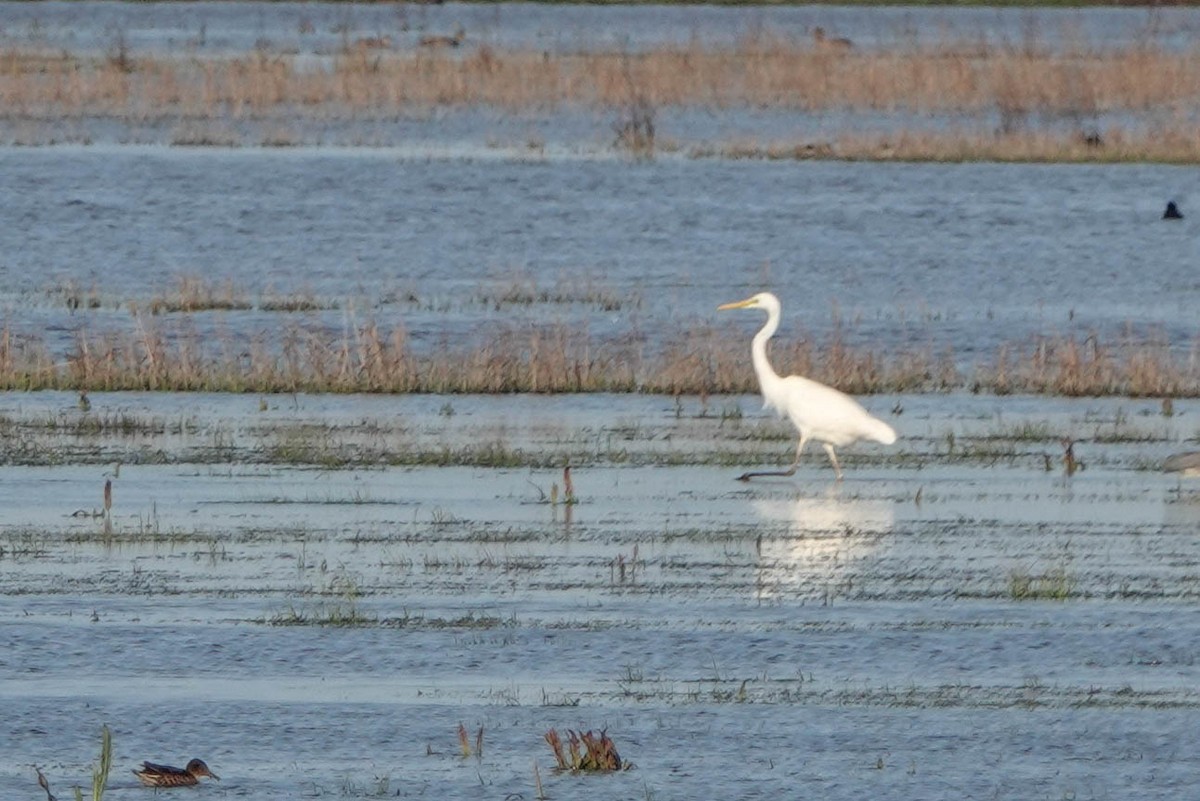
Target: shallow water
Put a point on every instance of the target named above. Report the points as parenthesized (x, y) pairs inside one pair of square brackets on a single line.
[(853, 639), (903, 257)]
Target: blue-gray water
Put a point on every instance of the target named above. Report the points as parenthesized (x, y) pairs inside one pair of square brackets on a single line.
[(843, 640), (898, 255)]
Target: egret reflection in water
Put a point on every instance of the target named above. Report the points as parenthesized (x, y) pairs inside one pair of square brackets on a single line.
[(1183, 464), (812, 546)]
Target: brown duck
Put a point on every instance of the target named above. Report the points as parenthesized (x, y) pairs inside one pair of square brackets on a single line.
[(153, 775)]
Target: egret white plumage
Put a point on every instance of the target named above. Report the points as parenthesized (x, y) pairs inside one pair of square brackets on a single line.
[(819, 412)]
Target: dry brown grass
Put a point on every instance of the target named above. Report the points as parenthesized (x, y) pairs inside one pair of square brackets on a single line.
[(1068, 366), (760, 71), (160, 349), (195, 294), (1028, 103), (558, 359)]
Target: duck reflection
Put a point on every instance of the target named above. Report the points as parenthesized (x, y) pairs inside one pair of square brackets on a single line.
[(812, 547), (1182, 510)]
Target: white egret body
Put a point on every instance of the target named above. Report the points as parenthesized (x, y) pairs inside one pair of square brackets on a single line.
[(819, 412)]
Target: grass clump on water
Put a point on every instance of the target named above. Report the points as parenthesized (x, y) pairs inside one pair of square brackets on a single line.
[(337, 615), (341, 613), (1053, 585)]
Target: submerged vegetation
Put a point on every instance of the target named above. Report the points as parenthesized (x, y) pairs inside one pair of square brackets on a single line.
[(1055, 584)]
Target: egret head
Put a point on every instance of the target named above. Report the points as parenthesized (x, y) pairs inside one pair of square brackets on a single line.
[(763, 300), (197, 768)]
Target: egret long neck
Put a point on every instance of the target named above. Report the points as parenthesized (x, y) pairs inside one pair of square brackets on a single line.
[(767, 377)]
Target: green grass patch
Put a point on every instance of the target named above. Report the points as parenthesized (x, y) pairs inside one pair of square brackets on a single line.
[(1053, 585)]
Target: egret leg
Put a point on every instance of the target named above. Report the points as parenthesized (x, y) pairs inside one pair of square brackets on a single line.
[(791, 471), (837, 468)]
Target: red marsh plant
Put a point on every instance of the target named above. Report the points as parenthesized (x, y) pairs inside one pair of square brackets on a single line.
[(586, 752), (464, 742)]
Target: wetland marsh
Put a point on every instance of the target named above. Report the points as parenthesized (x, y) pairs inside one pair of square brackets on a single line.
[(925, 84), (333, 388)]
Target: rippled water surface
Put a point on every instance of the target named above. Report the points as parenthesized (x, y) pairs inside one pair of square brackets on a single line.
[(297, 592), (897, 256)]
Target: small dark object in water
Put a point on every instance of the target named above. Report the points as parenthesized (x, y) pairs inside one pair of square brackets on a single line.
[(1172, 212)]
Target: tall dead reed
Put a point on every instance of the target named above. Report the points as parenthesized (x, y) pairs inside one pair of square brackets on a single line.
[(556, 358), (1071, 367)]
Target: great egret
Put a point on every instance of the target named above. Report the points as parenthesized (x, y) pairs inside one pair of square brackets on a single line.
[(1185, 464), (153, 775), (818, 412)]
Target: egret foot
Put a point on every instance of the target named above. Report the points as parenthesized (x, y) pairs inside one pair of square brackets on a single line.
[(783, 473)]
